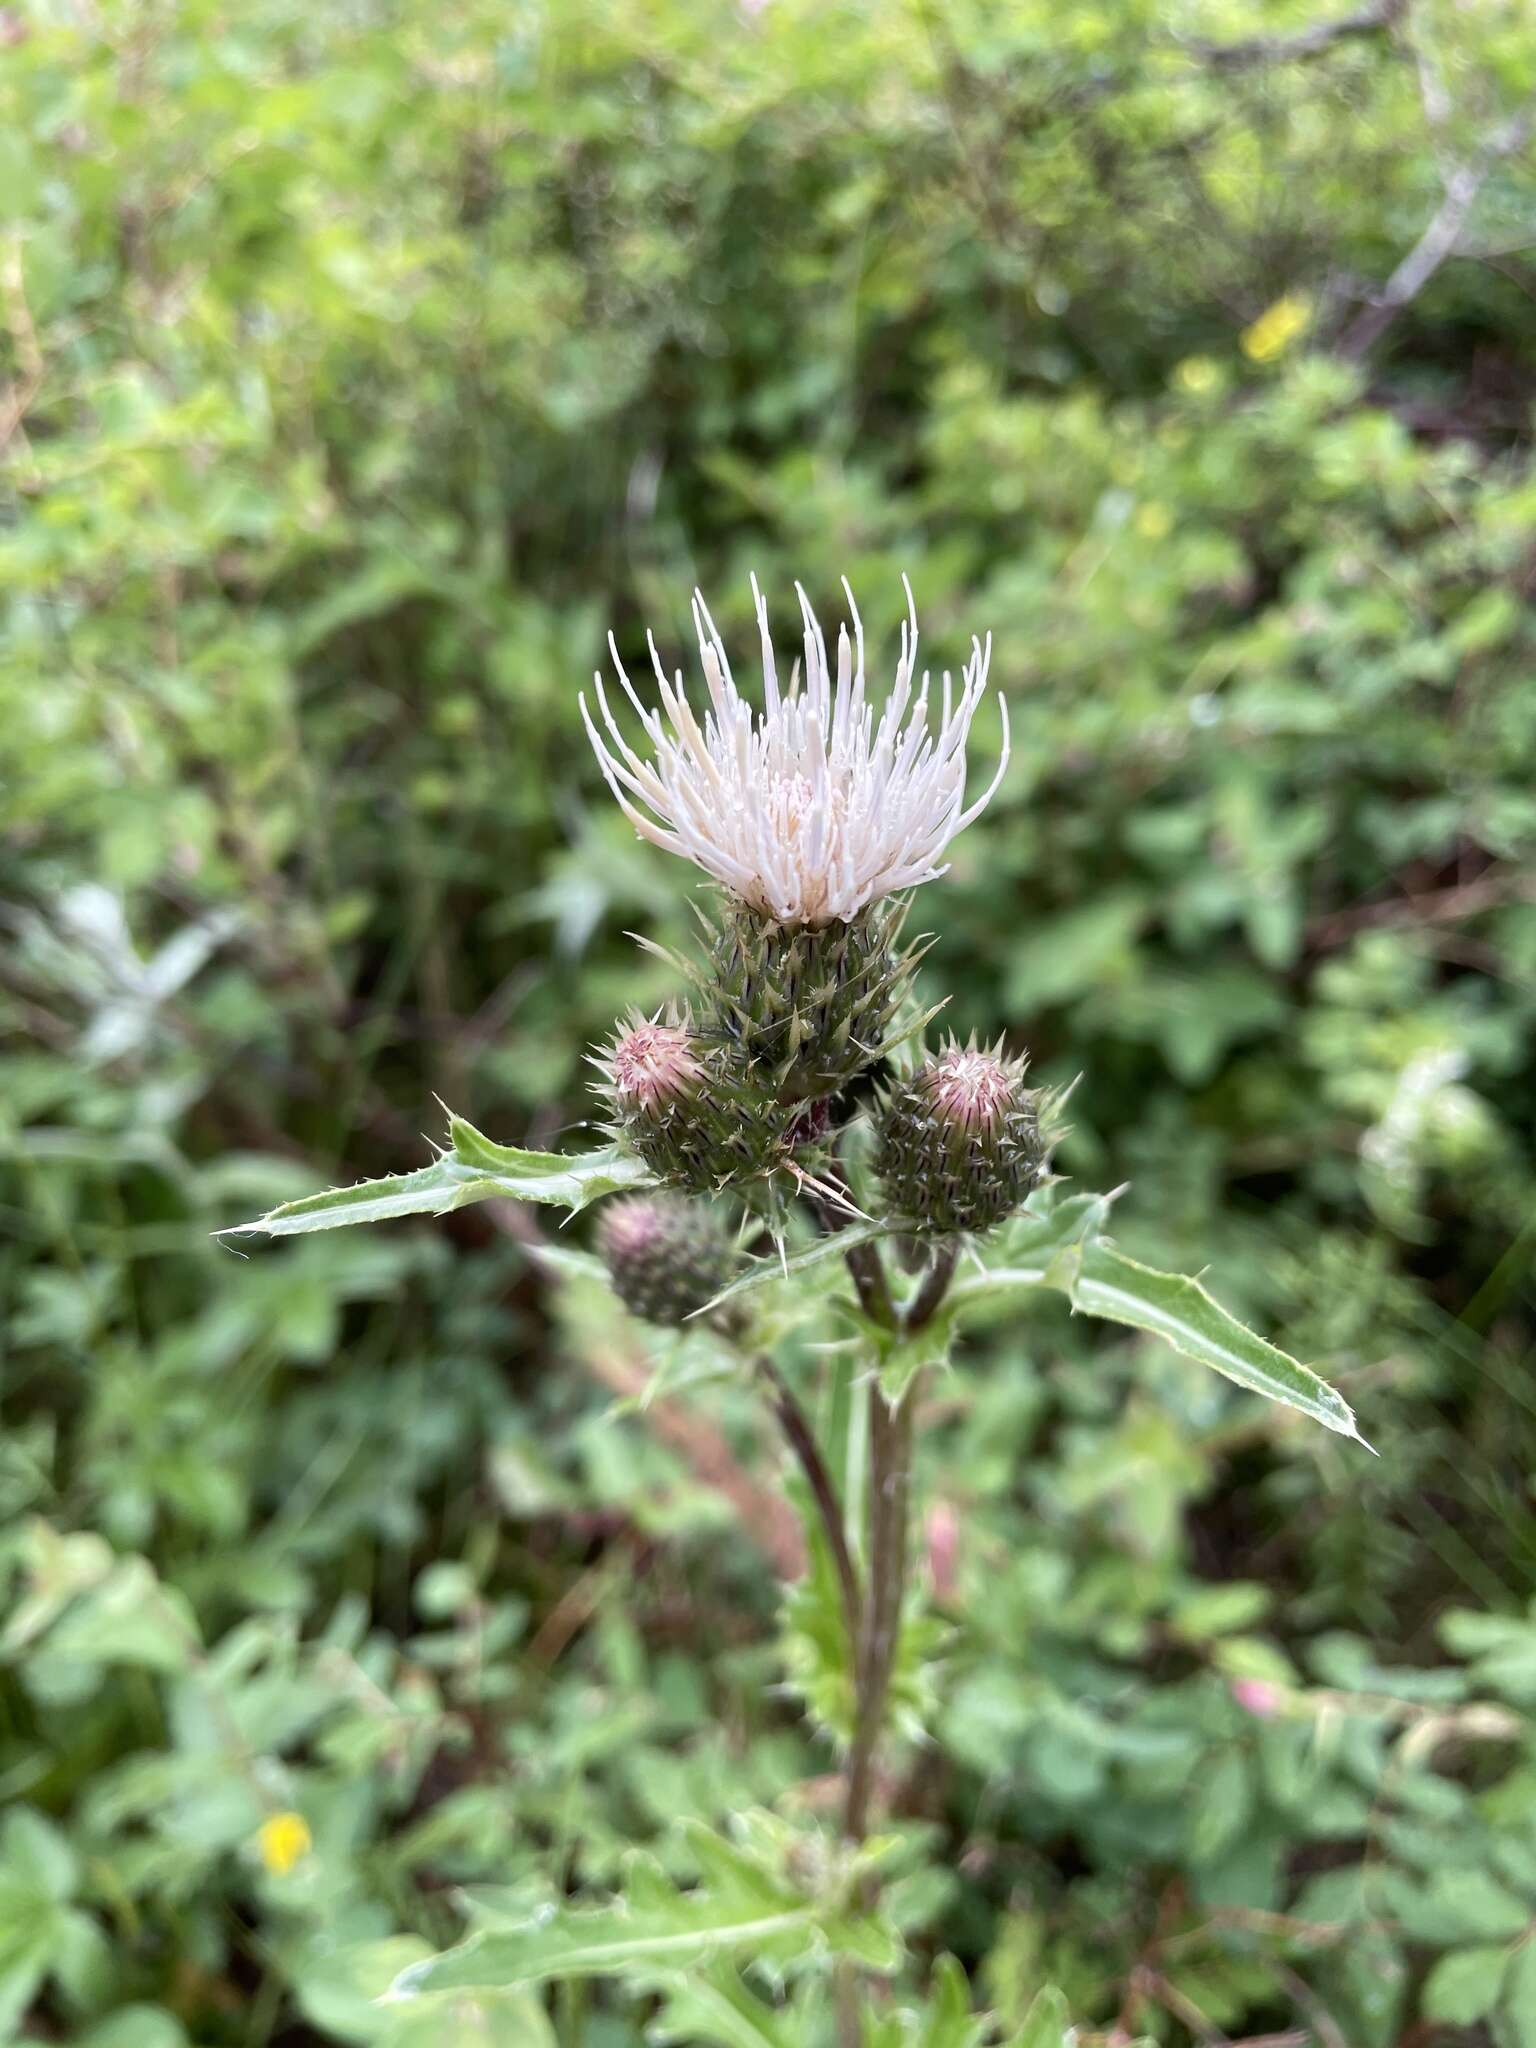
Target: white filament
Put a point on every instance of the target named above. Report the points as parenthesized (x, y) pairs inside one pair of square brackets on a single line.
[(809, 810)]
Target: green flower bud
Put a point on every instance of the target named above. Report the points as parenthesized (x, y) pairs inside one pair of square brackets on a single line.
[(959, 1143), (802, 1009), (666, 1256), (678, 1105)]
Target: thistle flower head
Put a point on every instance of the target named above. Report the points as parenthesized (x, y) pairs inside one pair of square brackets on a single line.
[(814, 807)]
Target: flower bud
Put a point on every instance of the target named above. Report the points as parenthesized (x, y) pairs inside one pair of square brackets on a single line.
[(654, 1067), (666, 1256), (678, 1105), (960, 1145), (802, 1009)]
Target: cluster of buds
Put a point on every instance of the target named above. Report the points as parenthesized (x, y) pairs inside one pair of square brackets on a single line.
[(817, 817)]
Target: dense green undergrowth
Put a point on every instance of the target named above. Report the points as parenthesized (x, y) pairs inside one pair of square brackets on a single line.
[(358, 368)]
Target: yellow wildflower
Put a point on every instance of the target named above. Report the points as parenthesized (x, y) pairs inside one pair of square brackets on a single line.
[(1154, 522), (1277, 327), (284, 1840), (1196, 373)]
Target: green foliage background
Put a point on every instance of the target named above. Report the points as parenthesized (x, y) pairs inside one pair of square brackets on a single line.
[(359, 366)]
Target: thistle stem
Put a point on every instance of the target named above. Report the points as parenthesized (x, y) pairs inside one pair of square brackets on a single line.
[(934, 1286), (864, 1263), (801, 1438), (874, 1290), (889, 1515), (890, 1480)]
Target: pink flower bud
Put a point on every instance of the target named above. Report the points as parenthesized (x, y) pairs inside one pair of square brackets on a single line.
[(652, 1065), (960, 1142), (1257, 1696), (972, 1088), (943, 1549)]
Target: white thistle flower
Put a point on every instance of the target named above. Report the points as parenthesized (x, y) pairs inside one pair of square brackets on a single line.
[(811, 809)]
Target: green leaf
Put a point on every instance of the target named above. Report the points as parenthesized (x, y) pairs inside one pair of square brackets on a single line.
[(1220, 1807), (1060, 1243), (714, 2005), (899, 1359), (1046, 2023), (742, 1903), (1464, 1985), (473, 1169), (949, 2021), (1471, 1905), (1520, 1992), (1104, 1282)]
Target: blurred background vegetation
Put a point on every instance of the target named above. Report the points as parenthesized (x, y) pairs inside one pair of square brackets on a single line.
[(359, 366)]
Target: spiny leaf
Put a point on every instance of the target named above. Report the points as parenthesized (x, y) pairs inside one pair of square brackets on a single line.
[(1061, 1244), (743, 1904), (900, 1358), (715, 2006), (473, 1169), (1103, 1282)]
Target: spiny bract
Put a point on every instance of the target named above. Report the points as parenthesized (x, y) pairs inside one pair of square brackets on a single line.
[(801, 1010)]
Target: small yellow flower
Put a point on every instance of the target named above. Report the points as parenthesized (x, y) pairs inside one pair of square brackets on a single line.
[(1154, 522), (1276, 328), (284, 1840), (1197, 374)]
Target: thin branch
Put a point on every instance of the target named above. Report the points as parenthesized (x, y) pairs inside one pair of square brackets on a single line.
[(1327, 2029), (1438, 906), (874, 1289), (1441, 239), (1309, 42)]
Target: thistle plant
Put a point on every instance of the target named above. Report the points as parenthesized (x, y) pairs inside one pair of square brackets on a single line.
[(788, 1156)]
